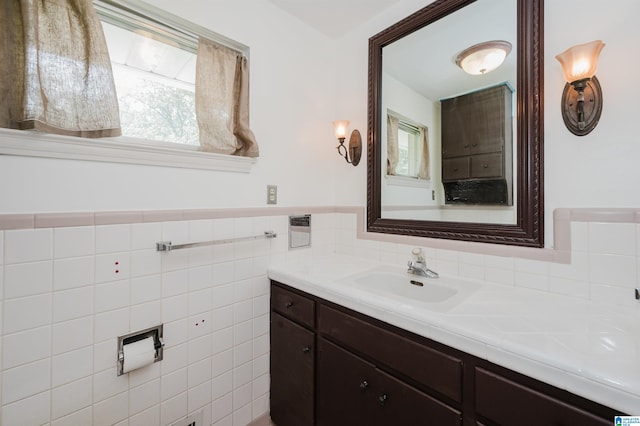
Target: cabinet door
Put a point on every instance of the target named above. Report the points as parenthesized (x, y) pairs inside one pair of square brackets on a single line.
[(456, 138), (344, 387), (487, 115), (506, 402), (455, 169), (292, 364), (487, 166), (401, 404)]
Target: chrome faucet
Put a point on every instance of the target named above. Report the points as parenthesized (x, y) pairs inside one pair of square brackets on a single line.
[(418, 266)]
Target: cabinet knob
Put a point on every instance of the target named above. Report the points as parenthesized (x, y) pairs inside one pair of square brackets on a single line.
[(364, 385), (486, 166), (455, 169), (382, 398), (288, 305), (306, 349)]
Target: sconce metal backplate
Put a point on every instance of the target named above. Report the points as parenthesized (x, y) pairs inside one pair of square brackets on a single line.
[(592, 107), (355, 147)]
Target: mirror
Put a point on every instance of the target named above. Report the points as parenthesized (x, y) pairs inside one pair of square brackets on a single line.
[(447, 27)]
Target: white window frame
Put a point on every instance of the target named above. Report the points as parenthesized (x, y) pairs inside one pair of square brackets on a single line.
[(123, 149)]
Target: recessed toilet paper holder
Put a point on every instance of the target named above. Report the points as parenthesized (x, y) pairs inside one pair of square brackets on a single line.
[(155, 332)]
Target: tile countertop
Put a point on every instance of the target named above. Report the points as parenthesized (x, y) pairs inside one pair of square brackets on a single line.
[(587, 348)]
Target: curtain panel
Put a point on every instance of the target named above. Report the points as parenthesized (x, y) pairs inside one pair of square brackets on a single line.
[(222, 101), (392, 144), (56, 69), (423, 168)]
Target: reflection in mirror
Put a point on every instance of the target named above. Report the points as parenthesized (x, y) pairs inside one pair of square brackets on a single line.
[(454, 155), (431, 92)]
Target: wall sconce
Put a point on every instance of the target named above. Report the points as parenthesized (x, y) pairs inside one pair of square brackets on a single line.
[(355, 142), (581, 103), (483, 57)]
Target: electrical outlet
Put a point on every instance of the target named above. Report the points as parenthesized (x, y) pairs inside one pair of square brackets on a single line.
[(272, 194)]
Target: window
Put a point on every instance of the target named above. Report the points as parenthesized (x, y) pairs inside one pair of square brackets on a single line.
[(155, 81), (181, 89), (409, 150)]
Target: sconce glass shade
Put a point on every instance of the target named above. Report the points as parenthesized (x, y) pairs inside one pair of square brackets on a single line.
[(341, 127), (581, 61), (483, 57)]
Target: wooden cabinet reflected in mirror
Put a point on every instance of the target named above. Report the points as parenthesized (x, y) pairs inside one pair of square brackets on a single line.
[(492, 190), (477, 145)]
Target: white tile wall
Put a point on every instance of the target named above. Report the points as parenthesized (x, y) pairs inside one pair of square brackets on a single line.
[(67, 293)]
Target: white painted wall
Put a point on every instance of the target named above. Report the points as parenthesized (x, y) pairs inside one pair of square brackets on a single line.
[(292, 108), (597, 170), (301, 81), (402, 100)]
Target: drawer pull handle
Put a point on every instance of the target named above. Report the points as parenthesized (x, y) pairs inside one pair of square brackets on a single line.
[(382, 398), (364, 385), (289, 305), (306, 349)]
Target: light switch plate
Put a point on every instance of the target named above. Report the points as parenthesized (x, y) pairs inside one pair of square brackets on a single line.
[(272, 194)]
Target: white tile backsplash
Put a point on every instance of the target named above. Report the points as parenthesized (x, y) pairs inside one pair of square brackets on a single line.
[(34, 410), (79, 418), (173, 384), (74, 303), (26, 380), (69, 292), (74, 242), (144, 397), (28, 245), (73, 272), (74, 365), (28, 279), (613, 238), (71, 397), (112, 267), (614, 270), (74, 334), (26, 312), (113, 238), (26, 346)]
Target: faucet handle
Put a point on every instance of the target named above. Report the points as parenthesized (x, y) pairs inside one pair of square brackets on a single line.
[(417, 252)]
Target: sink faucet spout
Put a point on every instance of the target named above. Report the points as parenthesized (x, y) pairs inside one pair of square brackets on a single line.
[(418, 266)]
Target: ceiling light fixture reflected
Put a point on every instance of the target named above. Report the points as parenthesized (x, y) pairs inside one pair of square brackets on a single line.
[(483, 57)]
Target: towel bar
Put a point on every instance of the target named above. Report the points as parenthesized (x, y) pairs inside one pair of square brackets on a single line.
[(168, 246)]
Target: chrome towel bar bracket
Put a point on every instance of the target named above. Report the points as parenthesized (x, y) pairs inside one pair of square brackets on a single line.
[(168, 246)]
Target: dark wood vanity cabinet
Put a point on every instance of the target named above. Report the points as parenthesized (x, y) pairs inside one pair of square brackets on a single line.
[(477, 146), (292, 358), (380, 375), (331, 366)]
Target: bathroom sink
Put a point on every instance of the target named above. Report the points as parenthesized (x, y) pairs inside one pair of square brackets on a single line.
[(410, 286), (432, 293)]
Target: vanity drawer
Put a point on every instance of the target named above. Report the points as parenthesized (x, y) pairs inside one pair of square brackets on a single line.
[(455, 168), (293, 306), (486, 166), (504, 401), (388, 350)]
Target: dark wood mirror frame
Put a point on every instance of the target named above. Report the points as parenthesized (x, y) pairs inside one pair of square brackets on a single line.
[(529, 228)]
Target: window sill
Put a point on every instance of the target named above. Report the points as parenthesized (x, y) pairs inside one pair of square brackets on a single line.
[(35, 144), (407, 181)]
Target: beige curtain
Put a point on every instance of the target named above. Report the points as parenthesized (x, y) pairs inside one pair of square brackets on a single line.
[(222, 101), (392, 144), (55, 67), (423, 168)]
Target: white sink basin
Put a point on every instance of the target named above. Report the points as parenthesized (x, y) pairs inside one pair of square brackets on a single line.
[(438, 294), (410, 286)]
